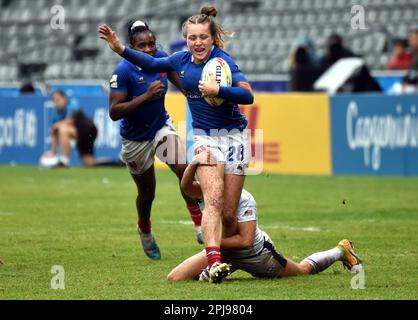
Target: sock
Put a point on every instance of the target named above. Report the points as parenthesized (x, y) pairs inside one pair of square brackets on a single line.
[(322, 260), (65, 160), (198, 229), (144, 225), (213, 254), (196, 214)]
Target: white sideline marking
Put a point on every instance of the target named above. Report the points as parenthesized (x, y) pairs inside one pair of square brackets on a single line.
[(6, 214), (306, 229), (176, 221)]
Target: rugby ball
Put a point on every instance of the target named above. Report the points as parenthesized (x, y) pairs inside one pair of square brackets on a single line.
[(220, 70), (48, 161)]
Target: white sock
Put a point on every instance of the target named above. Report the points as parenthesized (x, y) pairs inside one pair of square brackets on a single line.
[(322, 260), (198, 229), (65, 160)]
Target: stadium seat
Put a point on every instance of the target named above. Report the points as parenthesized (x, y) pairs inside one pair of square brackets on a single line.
[(53, 71), (274, 24)]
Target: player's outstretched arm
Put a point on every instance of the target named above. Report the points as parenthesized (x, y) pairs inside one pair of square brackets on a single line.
[(112, 39), (143, 60)]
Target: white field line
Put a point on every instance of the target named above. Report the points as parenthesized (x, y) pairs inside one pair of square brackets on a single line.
[(271, 226), (305, 229), (6, 214)]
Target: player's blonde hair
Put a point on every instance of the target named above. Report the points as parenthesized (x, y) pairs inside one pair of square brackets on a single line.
[(207, 15)]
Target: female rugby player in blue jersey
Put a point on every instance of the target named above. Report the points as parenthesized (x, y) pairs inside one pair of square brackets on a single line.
[(219, 129), (146, 129)]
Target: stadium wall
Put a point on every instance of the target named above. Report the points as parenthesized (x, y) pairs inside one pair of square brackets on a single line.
[(25, 123), (311, 134), (295, 132), (374, 134)]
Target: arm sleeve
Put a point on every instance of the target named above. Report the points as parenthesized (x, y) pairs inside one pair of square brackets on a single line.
[(161, 54), (120, 80), (148, 62), (236, 94), (247, 214)]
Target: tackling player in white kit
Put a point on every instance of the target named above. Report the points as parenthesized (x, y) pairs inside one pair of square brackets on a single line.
[(251, 249)]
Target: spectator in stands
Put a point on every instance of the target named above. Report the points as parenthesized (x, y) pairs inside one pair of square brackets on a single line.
[(27, 88), (69, 123), (361, 81), (413, 43), (401, 58), (304, 65), (335, 51)]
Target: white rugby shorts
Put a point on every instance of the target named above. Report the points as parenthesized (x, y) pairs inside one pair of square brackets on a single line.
[(268, 263), (139, 155), (233, 150)]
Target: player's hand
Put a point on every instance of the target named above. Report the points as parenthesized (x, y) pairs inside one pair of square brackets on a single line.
[(107, 34), (154, 89), (205, 158), (209, 88)]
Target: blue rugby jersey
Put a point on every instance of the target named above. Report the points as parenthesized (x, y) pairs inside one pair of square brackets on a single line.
[(205, 117), (143, 123)]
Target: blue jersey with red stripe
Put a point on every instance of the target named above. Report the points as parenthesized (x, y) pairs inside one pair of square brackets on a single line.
[(143, 123)]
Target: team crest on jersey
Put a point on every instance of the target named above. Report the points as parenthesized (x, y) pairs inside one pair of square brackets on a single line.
[(133, 165), (114, 81), (182, 74), (141, 80)]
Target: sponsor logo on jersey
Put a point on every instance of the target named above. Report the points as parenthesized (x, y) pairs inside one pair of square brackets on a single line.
[(114, 81), (194, 94)]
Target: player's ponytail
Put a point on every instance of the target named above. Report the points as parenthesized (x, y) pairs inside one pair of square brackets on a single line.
[(209, 11), (207, 15)]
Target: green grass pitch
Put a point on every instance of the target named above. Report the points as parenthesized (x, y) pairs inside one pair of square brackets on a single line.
[(84, 220)]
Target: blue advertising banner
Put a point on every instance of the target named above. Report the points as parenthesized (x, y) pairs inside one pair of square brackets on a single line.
[(374, 134), (21, 129), (25, 123)]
